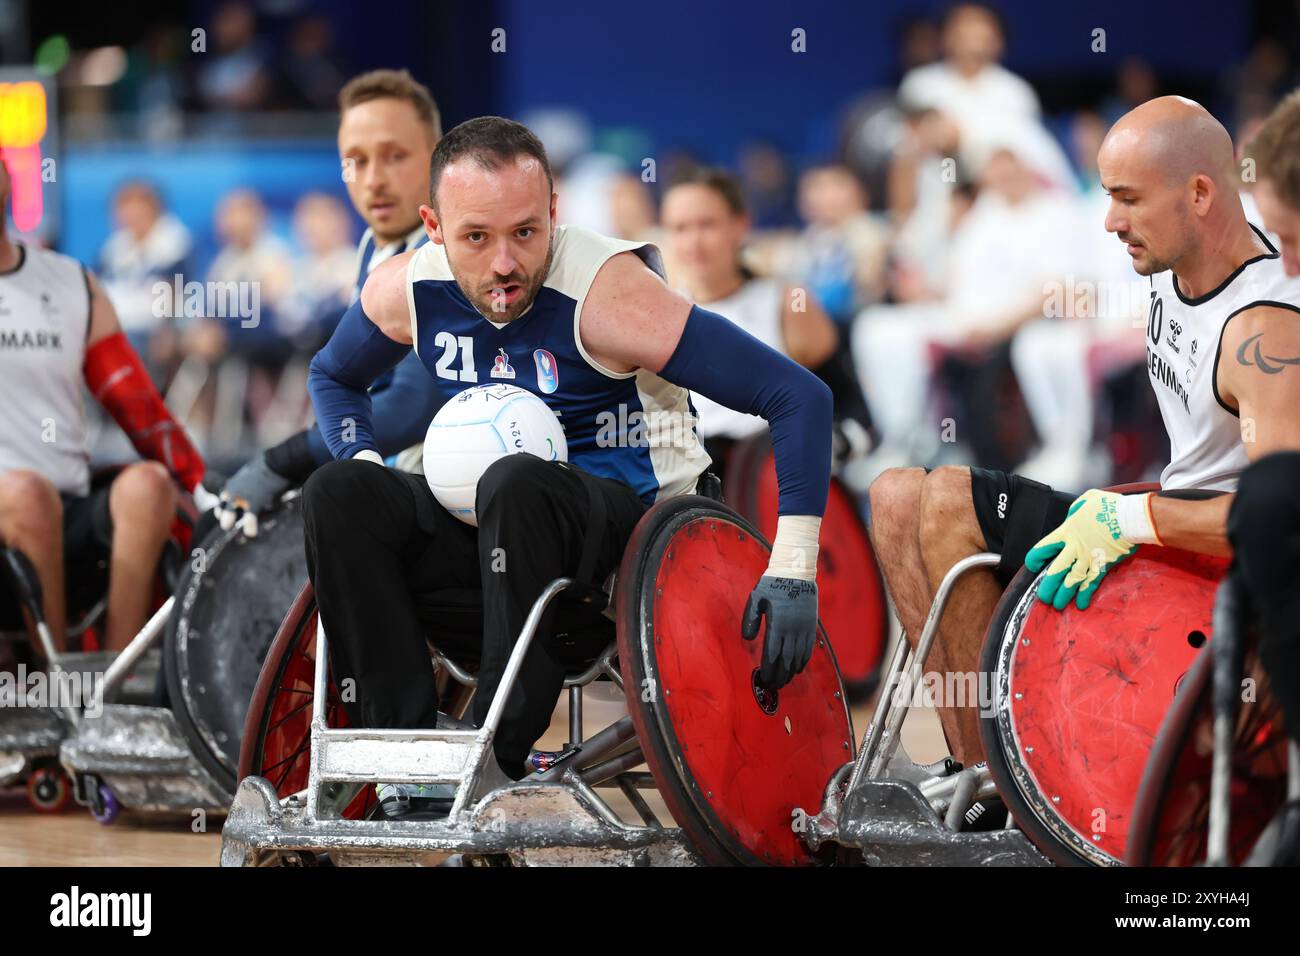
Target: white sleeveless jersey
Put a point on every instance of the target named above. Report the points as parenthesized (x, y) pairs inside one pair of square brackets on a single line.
[(756, 307), (44, 320), (1184, 338)]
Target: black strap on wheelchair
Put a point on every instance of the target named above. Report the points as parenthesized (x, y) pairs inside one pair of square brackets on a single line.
[(1029, 503)]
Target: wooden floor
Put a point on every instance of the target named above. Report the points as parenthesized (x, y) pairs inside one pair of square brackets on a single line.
[(73, 838)]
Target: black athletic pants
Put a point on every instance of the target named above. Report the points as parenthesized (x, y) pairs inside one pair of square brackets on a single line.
[(380, 548), (1264, 528)]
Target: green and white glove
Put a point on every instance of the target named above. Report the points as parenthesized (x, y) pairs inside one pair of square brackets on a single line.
[(1101, 529)]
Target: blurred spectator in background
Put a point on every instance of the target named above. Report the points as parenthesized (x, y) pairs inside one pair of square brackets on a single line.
[(768, 185), (919, 44), (1135, 83), (922, 175), (953, 108), (969, 85), (706, 224), (1003, 251), (252, 267), (153, 86), (250, 253), (584, 174), (311, 74), (841, 253), (149, 246), (1247, 128), (323, 274), (1087, 130), (1092, 327), (632, 210), (1261, 79), (234, 74)]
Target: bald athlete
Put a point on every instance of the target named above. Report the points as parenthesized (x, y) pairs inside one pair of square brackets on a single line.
[(1223, 340)]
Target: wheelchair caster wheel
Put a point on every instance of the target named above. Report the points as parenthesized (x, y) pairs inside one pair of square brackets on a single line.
[(48, 790), (104, 807)]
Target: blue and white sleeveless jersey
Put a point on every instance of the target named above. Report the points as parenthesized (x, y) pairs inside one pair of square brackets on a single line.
[(633, 427), (369, 255)]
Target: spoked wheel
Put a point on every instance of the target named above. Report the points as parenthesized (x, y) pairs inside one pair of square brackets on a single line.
[(851, 590), (1172, 813), (731, 759), (1078, 696), (277, 733)]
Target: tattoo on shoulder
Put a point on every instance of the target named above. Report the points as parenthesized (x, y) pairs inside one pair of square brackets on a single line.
[(1252, 353)]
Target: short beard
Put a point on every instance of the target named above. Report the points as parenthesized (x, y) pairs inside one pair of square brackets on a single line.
[(484, 303), (1150, 268), (1187, 240)]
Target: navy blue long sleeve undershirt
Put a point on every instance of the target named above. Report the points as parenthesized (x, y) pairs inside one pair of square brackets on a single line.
[(721, 361), (356, 355), (402, 408)]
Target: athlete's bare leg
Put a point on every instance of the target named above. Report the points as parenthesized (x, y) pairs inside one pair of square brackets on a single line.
[(949, 531), (896, 538), (31, 521), (142, 501), (895, 528)]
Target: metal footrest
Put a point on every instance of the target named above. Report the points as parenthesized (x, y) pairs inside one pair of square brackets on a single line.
[(439, 756), (27, 734), (140, 753), (898, 813), (893, 824)]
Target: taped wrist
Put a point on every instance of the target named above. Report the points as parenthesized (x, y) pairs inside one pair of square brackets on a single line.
[(119, 382), (794, 551), (1135, 519)]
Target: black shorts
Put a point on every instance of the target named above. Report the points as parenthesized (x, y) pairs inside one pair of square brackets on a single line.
[(87, 539), (1014, 512)]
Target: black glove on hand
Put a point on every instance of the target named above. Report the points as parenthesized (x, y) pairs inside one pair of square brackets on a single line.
[(790, 606), (253, 491)]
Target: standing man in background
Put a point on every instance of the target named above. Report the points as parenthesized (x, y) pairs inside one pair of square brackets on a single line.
[(388, 128)]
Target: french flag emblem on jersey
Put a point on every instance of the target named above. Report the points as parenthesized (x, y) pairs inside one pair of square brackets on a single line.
[(548, 376)]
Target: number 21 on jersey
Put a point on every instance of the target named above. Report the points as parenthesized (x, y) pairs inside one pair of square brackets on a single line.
[(451, 345)]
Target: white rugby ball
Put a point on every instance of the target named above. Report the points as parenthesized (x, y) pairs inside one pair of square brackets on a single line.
[(477, 427)]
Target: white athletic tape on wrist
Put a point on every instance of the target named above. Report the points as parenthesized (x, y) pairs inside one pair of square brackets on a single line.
[(794, 551), (1135, 521), (368, 454)]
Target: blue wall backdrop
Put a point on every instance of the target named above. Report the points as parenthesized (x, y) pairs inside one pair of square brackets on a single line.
[(710, 74), (707, 75)]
